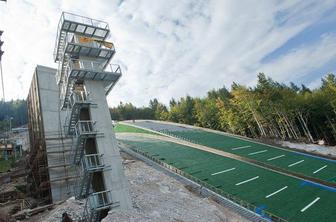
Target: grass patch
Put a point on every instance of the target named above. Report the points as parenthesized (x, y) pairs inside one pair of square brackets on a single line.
[(122, 128)]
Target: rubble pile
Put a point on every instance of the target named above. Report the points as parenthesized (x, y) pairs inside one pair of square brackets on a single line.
[(74, 208)]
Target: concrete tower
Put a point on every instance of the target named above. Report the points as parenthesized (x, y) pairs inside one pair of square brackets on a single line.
[(84, 77)]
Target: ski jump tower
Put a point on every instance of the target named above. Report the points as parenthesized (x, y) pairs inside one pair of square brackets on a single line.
[(85, 76)]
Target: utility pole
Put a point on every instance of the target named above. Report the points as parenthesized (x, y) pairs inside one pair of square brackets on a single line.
[(1, 53)]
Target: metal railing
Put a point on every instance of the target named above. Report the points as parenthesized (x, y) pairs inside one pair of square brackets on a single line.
[(59, 27), (88, 65), (84, 127), (75, 39), (78, 19), (84, 20), (94, 161), (92, 66), (66, 85), (100, 200), (77, 97)]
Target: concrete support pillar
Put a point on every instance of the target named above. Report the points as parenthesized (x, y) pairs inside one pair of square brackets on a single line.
[(115, 179)]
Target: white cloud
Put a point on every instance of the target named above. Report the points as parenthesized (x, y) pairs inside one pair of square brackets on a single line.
[(171, 48), (300, 61)]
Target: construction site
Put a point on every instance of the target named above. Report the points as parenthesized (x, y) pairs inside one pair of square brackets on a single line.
[(73, 163)]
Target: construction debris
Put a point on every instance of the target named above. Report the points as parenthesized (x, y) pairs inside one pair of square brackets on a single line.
[(71, 207), (26, 213)]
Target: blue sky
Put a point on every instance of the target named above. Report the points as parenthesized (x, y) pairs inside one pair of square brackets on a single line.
[(172, 48)]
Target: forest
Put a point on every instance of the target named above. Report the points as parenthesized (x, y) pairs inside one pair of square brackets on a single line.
[(16, 110), (268, 110)]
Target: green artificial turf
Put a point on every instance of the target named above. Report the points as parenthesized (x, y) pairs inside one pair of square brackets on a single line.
[(229, 143), (122, 128), (286, 204)]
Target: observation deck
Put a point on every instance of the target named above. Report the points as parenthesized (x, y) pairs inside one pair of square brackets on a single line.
[(76, 24), (80, 70)]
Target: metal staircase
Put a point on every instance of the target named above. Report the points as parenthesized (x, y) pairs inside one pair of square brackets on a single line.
[(62, 67), (84, 185), (77, 101), (78, 149)]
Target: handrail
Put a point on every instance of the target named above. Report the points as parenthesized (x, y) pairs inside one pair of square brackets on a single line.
[(86, 65), (57, 36), (85, 20), (85, 127), (77, 97), (79, 19), (100, 199), (93, 161), (96, 42), (94, 66)]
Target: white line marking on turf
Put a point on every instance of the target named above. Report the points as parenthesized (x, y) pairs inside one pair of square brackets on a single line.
[(262, 151), (245, 181), (242, 147), (269, 195), (276, 157), (224, 171), (319, 169), (293, 164), (309, 205)]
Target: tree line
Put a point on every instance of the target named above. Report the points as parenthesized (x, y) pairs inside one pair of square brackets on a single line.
[(268, 110), (16, 110)]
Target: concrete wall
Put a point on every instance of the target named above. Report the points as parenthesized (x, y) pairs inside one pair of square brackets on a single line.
[(115, 179), (61, 173)]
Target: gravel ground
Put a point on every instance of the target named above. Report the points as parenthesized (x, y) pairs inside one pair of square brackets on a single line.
[(158, 197), (74, 208), (155, 197), (313, 148)]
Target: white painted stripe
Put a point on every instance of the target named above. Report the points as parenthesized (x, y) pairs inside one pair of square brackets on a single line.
[(269, 195), (245, 181), (224, 171), (242, 147), (316, 171), (309, 205), (262, 151), (293, 164), (276, 157)]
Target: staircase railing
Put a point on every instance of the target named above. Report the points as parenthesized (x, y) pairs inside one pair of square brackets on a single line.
[(77, 97), (85, 127), (100, 200), (94, 162)]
